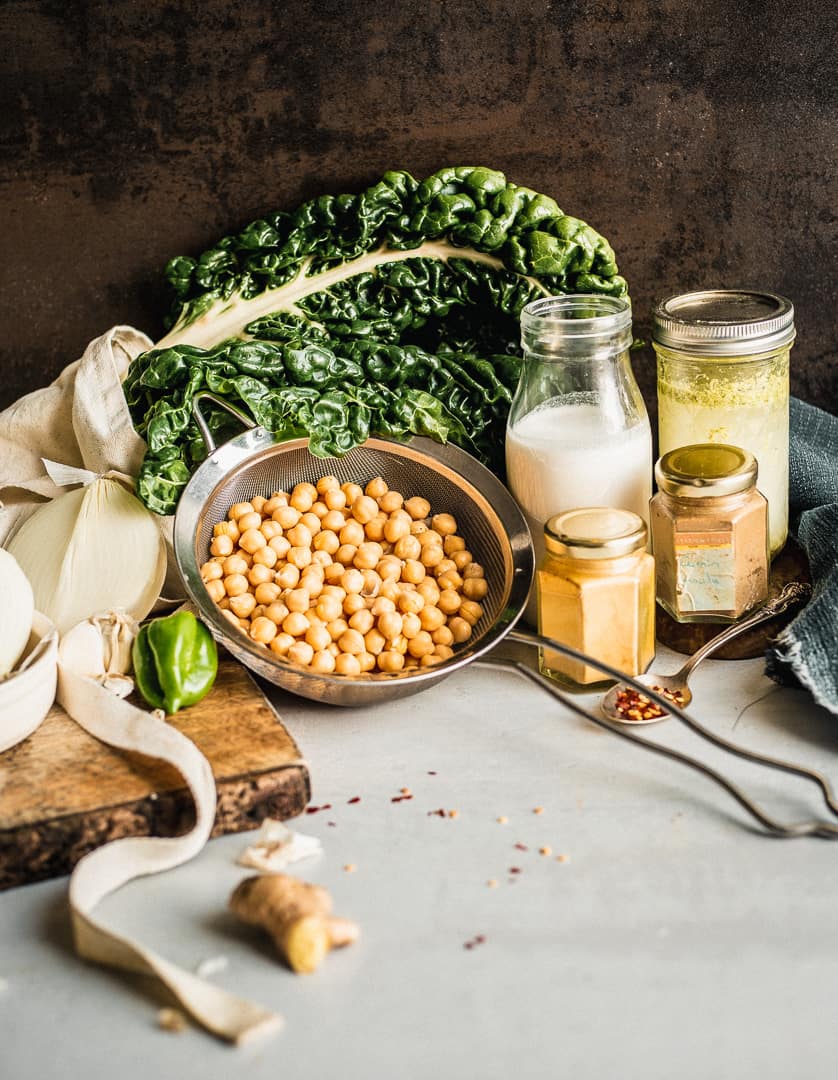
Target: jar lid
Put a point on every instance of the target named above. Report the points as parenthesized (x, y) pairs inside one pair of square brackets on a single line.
[(706, 470), (595, 532), (585, 322), (724, 322)]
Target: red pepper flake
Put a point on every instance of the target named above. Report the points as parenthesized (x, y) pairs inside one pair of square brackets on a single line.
[(401, 798), (431, 772), (332, 823), (633, 706), (354, 799), (478, 939), (326, 806), (514, 869), (437, 813), (314, 809), (522, 847)]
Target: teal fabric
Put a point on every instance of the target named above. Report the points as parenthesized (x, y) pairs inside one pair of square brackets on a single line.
[(807, 650)]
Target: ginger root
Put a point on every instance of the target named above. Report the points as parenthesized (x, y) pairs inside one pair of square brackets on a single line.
[(296, 915)]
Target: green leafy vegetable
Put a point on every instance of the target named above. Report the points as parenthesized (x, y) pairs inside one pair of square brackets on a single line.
[(393, 312)]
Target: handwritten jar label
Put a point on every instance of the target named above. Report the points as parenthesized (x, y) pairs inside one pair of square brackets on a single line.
[(705, 571)]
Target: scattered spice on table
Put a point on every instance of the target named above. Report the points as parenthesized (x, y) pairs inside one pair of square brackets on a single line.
[(538, 810), (453, 813), (171, 1020), (437, 813), (502, 820), (522, 847), (317, 809), (350, 868), (332, 823), (405, 791), (354, 799), (492, 883), (401, 798), (546, 850), (562, 858), (431, 772), (514, 869), (478, 939)]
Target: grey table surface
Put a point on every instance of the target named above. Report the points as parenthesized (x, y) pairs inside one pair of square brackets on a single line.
[(674, 940)]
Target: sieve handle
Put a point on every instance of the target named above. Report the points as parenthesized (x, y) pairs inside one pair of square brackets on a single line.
[(201, 420)]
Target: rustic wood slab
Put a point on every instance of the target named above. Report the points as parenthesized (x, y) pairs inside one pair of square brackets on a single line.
[(63, 793)]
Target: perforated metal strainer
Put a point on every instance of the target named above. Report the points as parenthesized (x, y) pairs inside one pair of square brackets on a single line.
[(451, 480)]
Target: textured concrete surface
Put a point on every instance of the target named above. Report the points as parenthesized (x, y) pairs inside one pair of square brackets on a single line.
[(700, 138)]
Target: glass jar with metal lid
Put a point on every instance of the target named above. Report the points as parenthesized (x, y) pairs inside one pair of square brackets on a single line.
[(596, 593), (709, 533), (723, 377)]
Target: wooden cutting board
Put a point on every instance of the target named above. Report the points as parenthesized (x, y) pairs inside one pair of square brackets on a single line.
[(63, 793)]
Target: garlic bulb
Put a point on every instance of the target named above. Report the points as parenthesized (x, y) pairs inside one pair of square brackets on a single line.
[(93, 549), (18, 607), (100, 649)]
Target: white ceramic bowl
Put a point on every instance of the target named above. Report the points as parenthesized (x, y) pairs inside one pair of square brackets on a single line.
[(27, 694)]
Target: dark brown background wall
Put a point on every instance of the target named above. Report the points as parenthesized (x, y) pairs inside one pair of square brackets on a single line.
[(700, 137)]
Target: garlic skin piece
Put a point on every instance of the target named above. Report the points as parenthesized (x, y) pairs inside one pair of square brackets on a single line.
[(18, 606), (90, 550), (100, 648)]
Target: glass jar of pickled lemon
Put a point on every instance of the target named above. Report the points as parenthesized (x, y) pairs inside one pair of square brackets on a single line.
[(596, 593), (723, 377)]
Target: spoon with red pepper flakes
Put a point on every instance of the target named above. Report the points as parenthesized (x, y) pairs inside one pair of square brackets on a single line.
[(629, 706)]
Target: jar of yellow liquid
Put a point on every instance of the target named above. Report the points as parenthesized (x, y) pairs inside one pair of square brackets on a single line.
[(596, 593), (723, 377)]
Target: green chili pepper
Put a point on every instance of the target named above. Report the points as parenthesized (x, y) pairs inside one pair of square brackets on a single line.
[(175, 661)]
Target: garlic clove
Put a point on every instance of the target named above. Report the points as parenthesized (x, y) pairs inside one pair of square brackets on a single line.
[(81, 650)]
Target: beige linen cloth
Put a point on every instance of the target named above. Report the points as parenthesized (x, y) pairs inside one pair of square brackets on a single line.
[(82, 420)]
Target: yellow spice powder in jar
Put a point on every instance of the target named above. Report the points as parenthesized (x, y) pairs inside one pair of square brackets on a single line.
[(596, 593)]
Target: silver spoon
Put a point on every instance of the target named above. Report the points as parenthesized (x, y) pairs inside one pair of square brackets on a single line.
[(675, 685)]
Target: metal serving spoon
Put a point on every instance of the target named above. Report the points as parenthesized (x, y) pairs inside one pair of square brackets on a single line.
[(675, 686)]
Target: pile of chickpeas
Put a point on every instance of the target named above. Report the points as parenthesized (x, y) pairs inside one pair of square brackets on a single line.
[(346, 580)]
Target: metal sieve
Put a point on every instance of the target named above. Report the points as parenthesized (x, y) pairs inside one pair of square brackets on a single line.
[(452, 481), (496, 533)]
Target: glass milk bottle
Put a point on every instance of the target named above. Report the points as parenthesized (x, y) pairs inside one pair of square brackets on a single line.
[(578, 433), (723, 377)]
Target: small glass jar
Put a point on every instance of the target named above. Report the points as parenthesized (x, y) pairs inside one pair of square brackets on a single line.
[(723, 377), (578, 433), (596, 593), (709, 533)]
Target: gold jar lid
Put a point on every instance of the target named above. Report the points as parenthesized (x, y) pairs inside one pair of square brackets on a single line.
[(706, 470), (595, 532)]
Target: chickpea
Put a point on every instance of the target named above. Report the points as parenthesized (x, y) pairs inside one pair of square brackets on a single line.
[(407, 547), (260, 575), (420, 645), (295, 623), (258, 503), (444, 566), (329, 608), (269, 529), (449, 580), (376, 487), (326, 541), (374, 641), (375, 529), (239, 509), (442, 636), (389, 567), (335, 499), (431, 660), (277, 612), (252, 540), (428, 590), (318, 637), (267, 593), (321, 558), (319, 509), (265, 556), (323, 663), (410, 625), (334, 520), (286, 516), (352, 492), (249, 521), (460, 629), (473, 570), (299, 536), (274, 503), (311, 522), (449, 601), (262, 629), (345, 554), (298, 600), (351, 641), (368, 555), (417, 528), (391, 661), (221, 545), (475, 588), (431, 617), (347, 664), (334, 572), (367, 661), (235, 584), (311, 582), (372, 583), (226, 528), (301, 653), (431, 536), (410, 603), (417, 507), (444, 652), (361, 620), (281, 545), (365, 508), (452, 543), (354, 602), (260, 609), (333, 649), (352, 533), (243, 605), (397, 526), (303, 497), (336, 628), (216, 590), (390, 624), (390, 501), (413, 571), (382, 604), (352, 580), (471, 611), (327, 483), (288, 576), (299, 557), (392, 589), (445, 524), (211, 571), (281, 644), (432, 555)]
